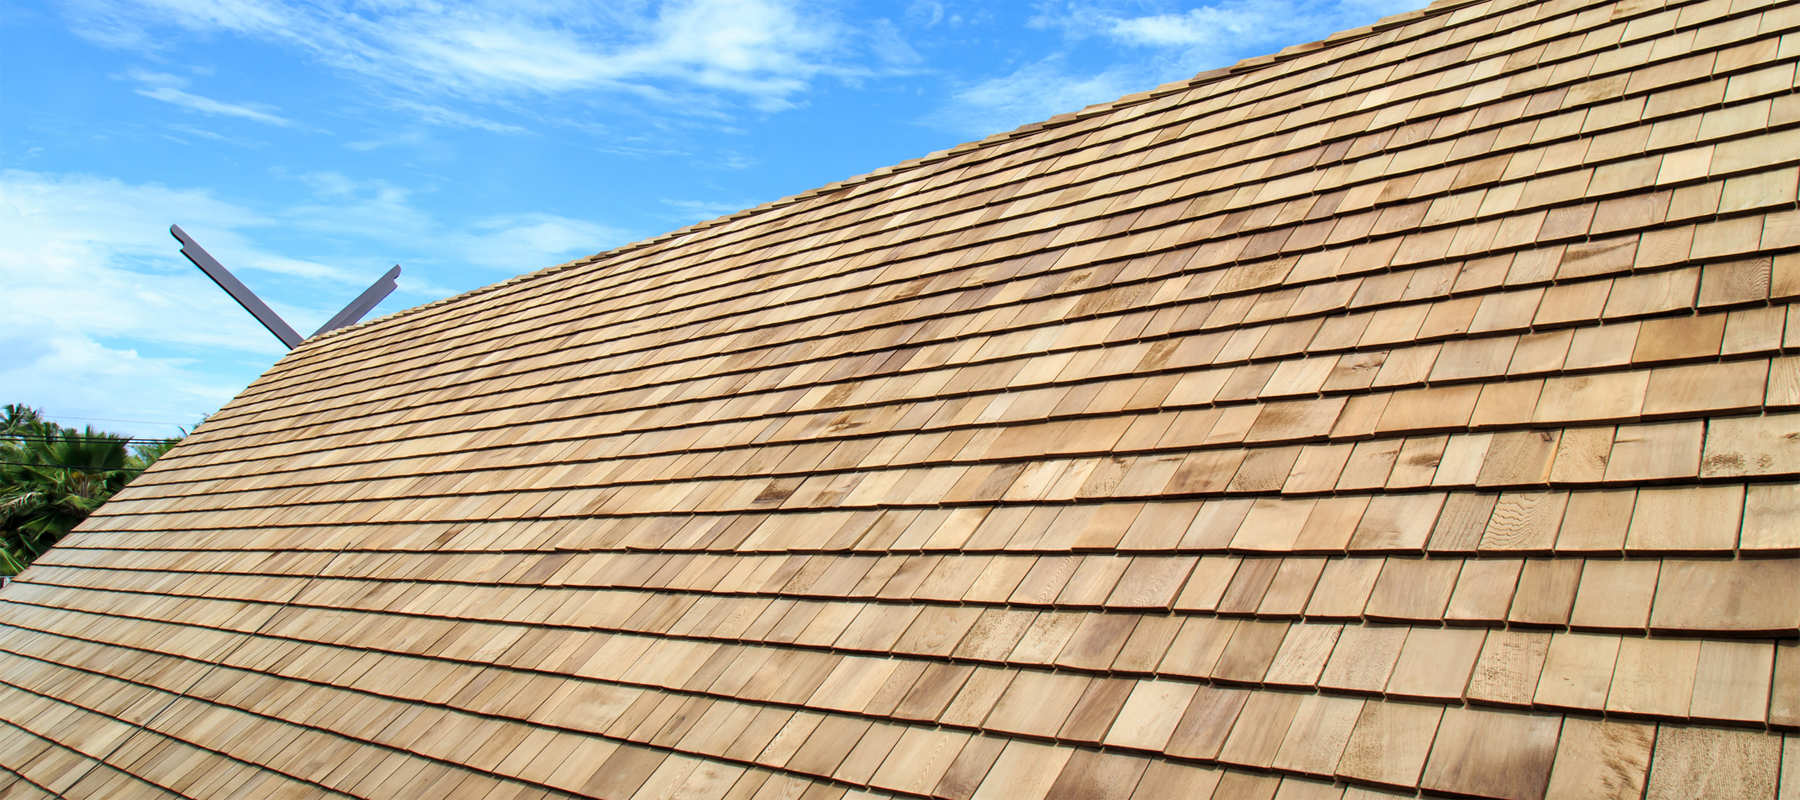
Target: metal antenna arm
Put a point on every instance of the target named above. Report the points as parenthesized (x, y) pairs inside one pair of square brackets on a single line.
[(236, 288), (354, 312)]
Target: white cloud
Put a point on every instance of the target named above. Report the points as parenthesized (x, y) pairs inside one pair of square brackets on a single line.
[(1149, 50), (383, 212), (167, 88), (374, 209), (70, 375), (520, 243), (1228, 27), (1198, 27), (412, 137), (702, 210), (927, 13), (1032, 93), (103, 314), (149, 78), (106, 319), (733, 160), (1217, 33), (203, 133), (208, 105), (94, 255), (450, 118), (764, 51), (888, 45)]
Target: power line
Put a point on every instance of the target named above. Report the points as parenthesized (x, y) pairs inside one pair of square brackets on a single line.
[(38, 437), (72, 466), (103, 419)]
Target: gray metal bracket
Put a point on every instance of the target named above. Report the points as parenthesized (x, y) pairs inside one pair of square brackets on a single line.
[(262, 312), (376, 292)]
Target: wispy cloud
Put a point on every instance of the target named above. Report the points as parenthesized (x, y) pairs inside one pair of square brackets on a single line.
[(1031, 93), (887, 43), (702, 210), (202, 133), (1146, 50), (517, 243), (763, 52), (450, 118), (411, 137), (103, 312), (1205, 26), (732, 160), (380, 211), (167, 88), (104, 318), (208, 105), (73, 374), (93, 254), (1214, 33)]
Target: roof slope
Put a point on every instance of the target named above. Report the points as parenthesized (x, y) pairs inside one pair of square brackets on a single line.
[(1410, 412)]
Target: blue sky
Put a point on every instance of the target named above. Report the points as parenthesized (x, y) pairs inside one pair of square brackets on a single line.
[(311, 145)]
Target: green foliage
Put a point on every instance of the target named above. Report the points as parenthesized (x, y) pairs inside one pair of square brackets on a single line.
[(143, 454), (52, 478)]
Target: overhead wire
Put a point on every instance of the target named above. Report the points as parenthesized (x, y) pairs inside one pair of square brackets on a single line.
[(84, 437), (103, 419), (71, 466), (35, 437)]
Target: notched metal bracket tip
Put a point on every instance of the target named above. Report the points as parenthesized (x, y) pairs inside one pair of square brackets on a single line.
[(351, 314), (377, 291), (236, 288)]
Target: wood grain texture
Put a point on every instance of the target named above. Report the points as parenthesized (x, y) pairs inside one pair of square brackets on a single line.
[(1150, 715), (1615, 594), (1090, 774), (1169, 779), (1750, 595), (1024, 769), (1654, 676), (1578, 670), (1436, 663), (1364, 657), (1315, 739), (1731, 681), (1702, 762), (1493, 754), (1784, 699), (1390, 743), (1601, 759)]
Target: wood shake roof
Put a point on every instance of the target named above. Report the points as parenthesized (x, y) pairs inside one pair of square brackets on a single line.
[(1412, 412)]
